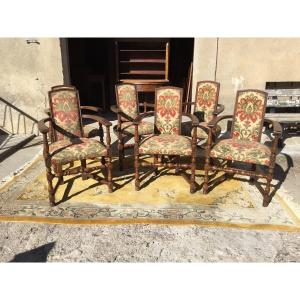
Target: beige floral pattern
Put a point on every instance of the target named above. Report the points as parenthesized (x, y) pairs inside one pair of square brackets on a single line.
[(206, 98), (65, 112), (144, 128), (166, 144), (65, 151), (127, 100), (168, 110), (243, 151), (249, 114)]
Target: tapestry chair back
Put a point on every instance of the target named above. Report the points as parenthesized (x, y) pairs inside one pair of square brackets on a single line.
[(207, 95), (249, 115), (127, 99), (65, 113), (168, 110)]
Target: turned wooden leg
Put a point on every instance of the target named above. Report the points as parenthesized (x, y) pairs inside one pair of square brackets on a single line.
[(109, 175), (193, 171), (50, 177), (58, 172), (121, 153), (155, 160), (136, 172), (177, 160), (206, 174), (83, 169), (252, 178), (267, 200)]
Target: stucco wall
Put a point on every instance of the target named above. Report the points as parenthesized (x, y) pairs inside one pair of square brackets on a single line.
[(242, 63), (27, 71)]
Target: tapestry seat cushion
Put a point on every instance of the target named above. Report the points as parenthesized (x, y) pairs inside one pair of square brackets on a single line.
[(144, 128), (166, 144), (243, 151), (65, 151), (201, 133)]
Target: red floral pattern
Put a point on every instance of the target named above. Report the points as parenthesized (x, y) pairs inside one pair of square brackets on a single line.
[(127, 100), (166, 144), (206, 99), (168, 109), (65, 113), (65, 151), (249, 116), (243, 151)]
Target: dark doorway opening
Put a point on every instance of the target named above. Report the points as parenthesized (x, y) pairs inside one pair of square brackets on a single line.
[(93, 67)]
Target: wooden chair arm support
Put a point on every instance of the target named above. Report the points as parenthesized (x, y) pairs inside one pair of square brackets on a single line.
[(194, 119), (42, 126), (142, 116), (220, 108), (277, 129), (118, 111), (98, 119), (92, 108), (216, 120)]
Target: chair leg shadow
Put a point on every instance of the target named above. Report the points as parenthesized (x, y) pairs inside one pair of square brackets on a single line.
[(39, 254)]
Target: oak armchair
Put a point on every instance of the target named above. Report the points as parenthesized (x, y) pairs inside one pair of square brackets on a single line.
[(244, 144), (127, 109), (68, 143), (206, 107), (166, 145)]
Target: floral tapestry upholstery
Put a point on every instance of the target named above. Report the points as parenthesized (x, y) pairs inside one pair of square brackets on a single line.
[(168, 110), (248, 116), (243, 151), (65, 113), (166, 144), (144, 128), (206, 98), (201, 133), (65, 151), (127, 100)]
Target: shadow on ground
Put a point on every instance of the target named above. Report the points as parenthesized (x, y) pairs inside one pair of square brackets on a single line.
[(38, 254)]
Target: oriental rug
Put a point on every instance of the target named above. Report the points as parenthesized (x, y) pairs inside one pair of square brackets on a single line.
[(163, 199)]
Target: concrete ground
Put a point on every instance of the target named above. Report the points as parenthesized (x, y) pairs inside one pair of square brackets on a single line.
[(158, 243)]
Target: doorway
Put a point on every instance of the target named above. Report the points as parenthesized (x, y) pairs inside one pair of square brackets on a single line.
[(93, 66)]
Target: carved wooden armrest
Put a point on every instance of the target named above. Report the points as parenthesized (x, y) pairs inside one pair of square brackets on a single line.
[(92, 108), (194, 119), (220, 108), (118, 111), (277, 129), (101, 121)]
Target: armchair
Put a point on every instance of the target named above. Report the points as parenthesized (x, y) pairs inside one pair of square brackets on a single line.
[(166, 142), (244, 144), (68, 143), (127, 109), (206, 107)]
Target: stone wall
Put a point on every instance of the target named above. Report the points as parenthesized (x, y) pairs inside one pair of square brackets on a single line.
[(27, 71), (240, 63)]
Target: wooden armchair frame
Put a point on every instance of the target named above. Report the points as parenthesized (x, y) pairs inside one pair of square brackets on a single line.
[(159, 160), (218, 108), (123, 117), (253, 173), (83, 169)]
